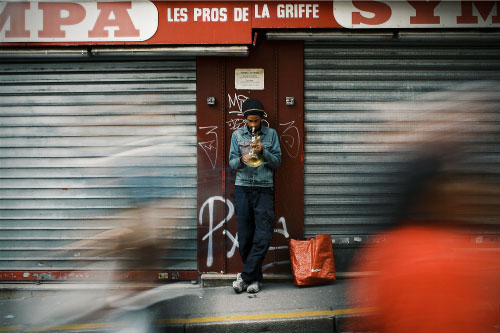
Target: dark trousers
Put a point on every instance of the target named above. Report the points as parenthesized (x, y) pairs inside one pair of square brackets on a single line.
[(255, 217)]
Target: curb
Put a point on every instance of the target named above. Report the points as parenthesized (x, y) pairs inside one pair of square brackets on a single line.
[(311, 321), (317, 321), (299, 325)]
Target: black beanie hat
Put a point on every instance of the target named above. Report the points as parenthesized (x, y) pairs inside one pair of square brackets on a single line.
[(252, 106)]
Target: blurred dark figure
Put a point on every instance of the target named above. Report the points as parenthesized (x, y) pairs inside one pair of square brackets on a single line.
[(430, 274), (135, 245), (139, 241)]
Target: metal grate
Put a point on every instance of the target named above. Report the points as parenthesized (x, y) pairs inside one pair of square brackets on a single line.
[(350, 189), (83, 146)]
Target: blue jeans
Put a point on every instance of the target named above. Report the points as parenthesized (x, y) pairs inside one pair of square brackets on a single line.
[(255, 218)]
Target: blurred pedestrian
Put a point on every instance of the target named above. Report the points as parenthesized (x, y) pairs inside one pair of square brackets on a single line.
[(430, 273), (429, 276)]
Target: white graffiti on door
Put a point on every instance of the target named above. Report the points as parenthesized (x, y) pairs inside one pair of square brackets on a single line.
[(234, 239), (237, 101), (282, 231), (210, 147), (290, 138), (236, 124), (210, 203)]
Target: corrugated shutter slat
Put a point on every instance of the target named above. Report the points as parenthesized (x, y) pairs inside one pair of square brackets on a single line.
[(75, 140), (348, 192)]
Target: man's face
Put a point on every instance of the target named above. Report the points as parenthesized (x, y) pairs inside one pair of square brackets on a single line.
[(253, 121)]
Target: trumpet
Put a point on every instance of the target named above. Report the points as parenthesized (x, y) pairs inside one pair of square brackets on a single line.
[(254, 160)]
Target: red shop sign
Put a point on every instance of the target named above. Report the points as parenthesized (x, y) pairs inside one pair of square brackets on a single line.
[(221, 22)]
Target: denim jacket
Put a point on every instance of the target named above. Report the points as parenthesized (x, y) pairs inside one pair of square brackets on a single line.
[(240, 145)]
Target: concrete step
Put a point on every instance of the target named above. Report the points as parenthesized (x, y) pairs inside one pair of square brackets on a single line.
[(221, 280)]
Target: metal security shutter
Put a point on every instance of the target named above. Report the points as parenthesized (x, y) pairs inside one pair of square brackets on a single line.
[(82, 144), (343, 185)]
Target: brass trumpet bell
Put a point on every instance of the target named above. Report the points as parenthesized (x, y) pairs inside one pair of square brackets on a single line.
[(254, 160)]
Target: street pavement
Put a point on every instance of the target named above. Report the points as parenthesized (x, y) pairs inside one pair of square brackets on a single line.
[(176, 307)]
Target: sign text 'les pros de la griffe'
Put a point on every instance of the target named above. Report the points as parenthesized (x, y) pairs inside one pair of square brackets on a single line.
[(222, 22)]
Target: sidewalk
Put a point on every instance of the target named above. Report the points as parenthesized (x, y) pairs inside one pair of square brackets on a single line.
[(177, 307)]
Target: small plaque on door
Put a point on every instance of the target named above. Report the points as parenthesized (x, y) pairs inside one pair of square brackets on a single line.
[(249, 78)]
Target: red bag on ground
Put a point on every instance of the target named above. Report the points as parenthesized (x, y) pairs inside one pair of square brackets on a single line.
[(312, 260)]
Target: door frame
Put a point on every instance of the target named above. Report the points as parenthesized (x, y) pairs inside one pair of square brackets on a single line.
[(217, 101)]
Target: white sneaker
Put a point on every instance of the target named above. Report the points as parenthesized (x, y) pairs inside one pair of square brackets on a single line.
[(254, 287), (239, 285)]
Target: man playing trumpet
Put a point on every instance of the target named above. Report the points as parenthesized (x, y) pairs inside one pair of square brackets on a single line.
[(255, 153)]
